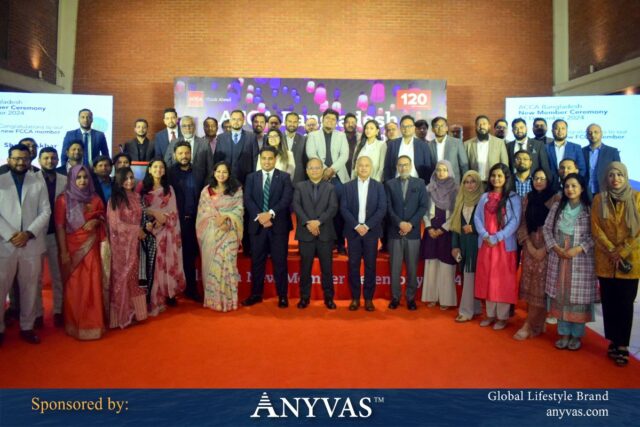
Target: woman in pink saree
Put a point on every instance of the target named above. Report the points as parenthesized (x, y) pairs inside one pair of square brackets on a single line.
[(124, 216), (219, 230)]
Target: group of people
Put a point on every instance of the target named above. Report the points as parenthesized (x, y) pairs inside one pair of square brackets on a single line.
[(566, 214)]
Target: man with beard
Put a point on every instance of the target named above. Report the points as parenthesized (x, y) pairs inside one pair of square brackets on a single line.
[(24, 217), (391, 131), (540, 130), (274, 122), (31, 144), (226, 125), (101, 176), (296, 143), (350, 127), (561, 149), (523, 180), (210, 127), (485, 150), (258, 123), (500, 128), (140, 149), (310, 125), (170, 133), (445, 147), (201, 156), (422, 127), (74, 154), (238, 147), (421, 162), (536, 149), (121, 160), (94, 141), (597, 157)]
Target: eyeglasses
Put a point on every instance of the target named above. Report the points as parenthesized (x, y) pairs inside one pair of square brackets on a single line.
[(20, 159)]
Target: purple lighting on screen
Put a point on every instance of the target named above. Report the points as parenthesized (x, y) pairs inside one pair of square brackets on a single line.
[(249, 98), (311, 86), (320, 96), (261, 107), (337, 105), (377, 93), (274, 93), (362, 102), (285, 90), (297, 99), (337, 93), (250, 88), (261, 81), (275, 83), (323, 107)]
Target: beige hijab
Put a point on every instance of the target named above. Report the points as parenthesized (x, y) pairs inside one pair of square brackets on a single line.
[(623, 195), (465, 198)]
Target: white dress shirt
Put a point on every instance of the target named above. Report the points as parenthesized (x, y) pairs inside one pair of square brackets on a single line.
[(363, 191), (407, 150), (559, 152), (482, 148)]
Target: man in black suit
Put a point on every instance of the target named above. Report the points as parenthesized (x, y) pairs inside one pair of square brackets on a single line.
[(296, 143), (536, 149), (267, 201), (407, 204), (363, 204), (201, 155), (238, 148), (187, 184), (421, 160), (315, 204), (258, 123), (140, 148), (170, 133)]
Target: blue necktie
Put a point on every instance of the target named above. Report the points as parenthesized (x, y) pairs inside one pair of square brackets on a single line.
[(85, 141), (236, 138), (265, 193)]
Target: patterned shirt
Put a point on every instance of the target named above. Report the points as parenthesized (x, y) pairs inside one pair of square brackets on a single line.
[(523, 187)]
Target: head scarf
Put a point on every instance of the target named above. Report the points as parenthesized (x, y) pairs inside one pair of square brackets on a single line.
[(537, 210), (77, 198), (466, 198), (443, 191), (623, 195)]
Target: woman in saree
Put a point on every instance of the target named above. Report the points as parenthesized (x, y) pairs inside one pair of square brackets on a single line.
[(219, 230), (79, 219)]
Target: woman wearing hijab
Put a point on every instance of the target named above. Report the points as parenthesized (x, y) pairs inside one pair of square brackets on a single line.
[(124, 216), (465, 242), (535, 205), (79, 218), (440, 266), (615, 224)]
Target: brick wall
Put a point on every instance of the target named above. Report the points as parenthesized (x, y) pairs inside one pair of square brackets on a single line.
[(485, 49), (602, 33)]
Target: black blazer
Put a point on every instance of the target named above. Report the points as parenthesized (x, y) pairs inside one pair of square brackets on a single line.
[(411, 209), (280, 196), (376, 208), (422, 159), (131, 148), (538, 152), (243, 159), (323, 210), (607, 155), (300, 158), (199, 181)]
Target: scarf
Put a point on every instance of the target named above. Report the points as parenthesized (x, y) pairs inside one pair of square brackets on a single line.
[(624, 196), (443, 191), (77, 198), (465, 198), (537, 210)]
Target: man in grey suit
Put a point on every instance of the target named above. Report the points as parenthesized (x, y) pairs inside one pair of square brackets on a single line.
[(331, 146), (445, 147), (24, 216), (537, 149), (485, 150), (201, 155), (597, 157), (297, 144), (407, 204), (315, 204), (169, 134)]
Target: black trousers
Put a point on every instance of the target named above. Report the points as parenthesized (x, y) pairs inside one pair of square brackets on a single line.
[(338, 221), (189, 253), (267, 243), (362, 248), (308, 251), (617, 297)]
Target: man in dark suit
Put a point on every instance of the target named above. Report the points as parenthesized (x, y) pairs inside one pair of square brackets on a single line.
[(170, 133), (238, 148), (140, 148), (201, 155), (74, 155), (187, 183), (315, 204), (445, 147), (94, 141), (421, 161), (363, 204), (540, 131), (560, 149), (597, 157), (296, 143), (536, 149), (407, 204), (267, 201)]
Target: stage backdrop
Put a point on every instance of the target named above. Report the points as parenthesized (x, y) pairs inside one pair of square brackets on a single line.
[(47, 117), (384, 100)]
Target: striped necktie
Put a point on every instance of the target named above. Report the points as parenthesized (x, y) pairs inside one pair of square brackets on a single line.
[(265, 193)]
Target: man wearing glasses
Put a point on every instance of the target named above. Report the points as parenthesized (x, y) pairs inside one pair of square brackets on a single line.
[(408, 145), (445, 147)]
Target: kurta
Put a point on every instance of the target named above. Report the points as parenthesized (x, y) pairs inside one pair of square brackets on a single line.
[(467, 243), (439, 248)]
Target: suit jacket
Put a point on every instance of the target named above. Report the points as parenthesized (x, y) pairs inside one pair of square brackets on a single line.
[(61, 184), (99, 145), (243, 158), (410, 209), (323, 210), (131, 148), (376, 208), (199, 179), (98, 187), (538, 152), (280, 196), (161, 142), (316, 147), (300, 156), (607, 155), (201, 156), (497, 153), (454, 152), (571, 151), (422, 159), (31, 213)]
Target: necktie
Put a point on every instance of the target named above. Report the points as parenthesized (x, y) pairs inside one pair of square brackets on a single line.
[(236, 138), (173, 136), (85, 141), (265, 193), (520, 144)]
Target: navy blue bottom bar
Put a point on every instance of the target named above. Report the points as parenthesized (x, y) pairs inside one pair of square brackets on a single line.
[(320, 407)]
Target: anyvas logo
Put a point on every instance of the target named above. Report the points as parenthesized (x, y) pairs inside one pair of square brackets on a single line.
[(310, 407)]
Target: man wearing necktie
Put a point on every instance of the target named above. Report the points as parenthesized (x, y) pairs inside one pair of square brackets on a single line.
[(267, 200), (95, 143), (536, 149), (171, 133)]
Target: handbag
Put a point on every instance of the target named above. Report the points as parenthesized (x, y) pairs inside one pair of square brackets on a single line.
[(625, 266)]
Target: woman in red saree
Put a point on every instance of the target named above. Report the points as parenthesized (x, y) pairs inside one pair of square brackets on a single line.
[(79, 218)]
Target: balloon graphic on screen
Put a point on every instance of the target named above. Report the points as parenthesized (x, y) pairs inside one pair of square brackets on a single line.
[(337, 105), (249, 98), (258, 91), (323, 107), (261, 81), (274, 83), (320, 96), (261, 107), (337, 93), (377, 93), (180, 85), (362, 102), (274, 93), (250, 88), (285, 90), (297, 99), (311, 86)]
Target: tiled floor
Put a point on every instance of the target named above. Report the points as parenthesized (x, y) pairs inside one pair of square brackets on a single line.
[(634, 347)]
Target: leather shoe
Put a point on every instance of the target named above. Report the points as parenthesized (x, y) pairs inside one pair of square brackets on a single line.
[(58, 320), (355, 304), (303, 303), (253, 299), (394, 304), (283, 302), (1, 338), (411, 305), (330, 304), (30, 337), (172, 302), (38, 323), (368, 305)]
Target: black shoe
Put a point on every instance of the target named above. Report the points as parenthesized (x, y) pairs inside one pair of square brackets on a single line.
[(283, 302), (253, 299), (1, 338), (411, 305), (303, 303), (30, 337), (172, 302), (58, 320), (368, 305), (330, 304), (394, 304), (355, 304), (39, 323)]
